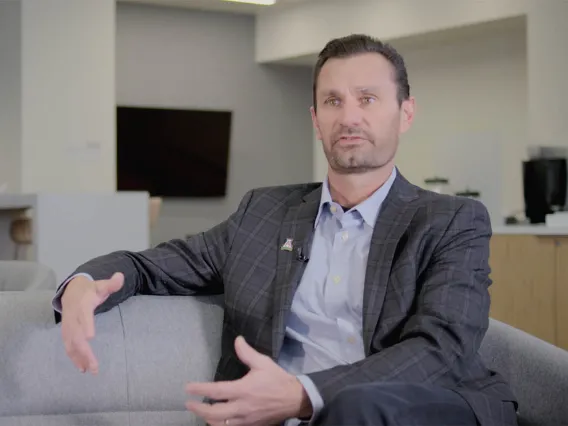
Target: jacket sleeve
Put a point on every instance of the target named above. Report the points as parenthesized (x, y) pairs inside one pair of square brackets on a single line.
[(450, 319), (191, 266)]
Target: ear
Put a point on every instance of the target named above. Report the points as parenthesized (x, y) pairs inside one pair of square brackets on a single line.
[(407, 114), (315, 122)]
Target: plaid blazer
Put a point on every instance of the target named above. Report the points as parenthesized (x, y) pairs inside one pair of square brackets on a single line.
[(426, 300)]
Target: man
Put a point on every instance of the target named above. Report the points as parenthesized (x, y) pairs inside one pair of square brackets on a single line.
[(364, 299)]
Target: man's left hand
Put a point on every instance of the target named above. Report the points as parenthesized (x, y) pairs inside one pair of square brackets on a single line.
[(266, 395)]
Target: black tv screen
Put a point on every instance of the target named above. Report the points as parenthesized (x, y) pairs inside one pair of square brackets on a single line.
[(173, 152)]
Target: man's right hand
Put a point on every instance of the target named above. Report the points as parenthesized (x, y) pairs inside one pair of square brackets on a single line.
[(79, 301)]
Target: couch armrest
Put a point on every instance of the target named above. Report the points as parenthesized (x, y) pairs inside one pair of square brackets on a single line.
[(536, 370)]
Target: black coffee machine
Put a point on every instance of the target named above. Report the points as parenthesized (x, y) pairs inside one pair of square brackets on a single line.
[(544, 184)]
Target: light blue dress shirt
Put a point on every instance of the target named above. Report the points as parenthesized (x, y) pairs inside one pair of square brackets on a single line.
[(324, 327)]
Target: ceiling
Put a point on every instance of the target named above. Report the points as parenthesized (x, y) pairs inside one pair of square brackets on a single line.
[(406, 45), (215, 5)]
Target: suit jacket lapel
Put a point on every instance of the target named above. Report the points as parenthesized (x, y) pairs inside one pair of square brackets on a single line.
[(298, 225), (394, 218)]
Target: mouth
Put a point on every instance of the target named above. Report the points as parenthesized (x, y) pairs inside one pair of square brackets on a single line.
[(350, 140)]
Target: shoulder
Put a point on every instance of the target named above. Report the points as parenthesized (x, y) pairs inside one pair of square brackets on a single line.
[(450, 204), (438, 212), (279, 196), (444, 211), (282, 192), (434, 205)]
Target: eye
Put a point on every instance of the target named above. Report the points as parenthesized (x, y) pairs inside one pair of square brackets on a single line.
[(368, 99), (332, 101)]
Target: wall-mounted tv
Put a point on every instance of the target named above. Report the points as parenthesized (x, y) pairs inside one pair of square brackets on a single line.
[(173, 152)]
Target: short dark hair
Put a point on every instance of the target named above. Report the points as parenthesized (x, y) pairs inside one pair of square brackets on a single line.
[(356, 44)]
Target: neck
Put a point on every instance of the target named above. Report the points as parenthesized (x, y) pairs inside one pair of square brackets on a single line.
[(349, 190)]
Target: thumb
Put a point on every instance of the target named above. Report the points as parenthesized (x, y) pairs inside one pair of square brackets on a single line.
[(106, 287), (248, 355)]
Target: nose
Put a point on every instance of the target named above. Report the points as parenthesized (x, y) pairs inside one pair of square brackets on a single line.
[(351, 113)]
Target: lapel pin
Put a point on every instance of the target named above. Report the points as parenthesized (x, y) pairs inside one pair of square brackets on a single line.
[(287, 245)]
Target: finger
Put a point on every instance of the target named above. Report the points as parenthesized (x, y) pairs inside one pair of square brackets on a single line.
[(82, 350), (248, 355), (105, 288), (215, 390), (76, 359), (70, 328), (87, 323), (76, 329), (115, 282), (87, 332), (75, 355), (215, 413), (235, 421)]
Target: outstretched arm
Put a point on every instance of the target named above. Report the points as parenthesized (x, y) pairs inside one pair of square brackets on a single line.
[(177, 267), (193, 266)]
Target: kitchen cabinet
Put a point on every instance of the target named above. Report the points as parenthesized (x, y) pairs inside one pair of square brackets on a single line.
[(530, 281)]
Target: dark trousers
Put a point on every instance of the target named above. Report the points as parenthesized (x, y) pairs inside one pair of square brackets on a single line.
[(397, 404)]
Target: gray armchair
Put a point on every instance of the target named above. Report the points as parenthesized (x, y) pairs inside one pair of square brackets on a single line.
[(536, 370)]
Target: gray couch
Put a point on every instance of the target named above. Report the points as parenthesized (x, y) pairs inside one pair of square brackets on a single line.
[(19, 275), (150, 347)]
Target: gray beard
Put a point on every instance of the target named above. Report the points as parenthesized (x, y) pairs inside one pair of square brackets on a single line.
[(355, 164), (340, 167)]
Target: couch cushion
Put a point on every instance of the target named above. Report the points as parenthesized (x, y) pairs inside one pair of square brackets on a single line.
[(169, 341), (145, 418), (91, 419), (148, 348), (37, 377)]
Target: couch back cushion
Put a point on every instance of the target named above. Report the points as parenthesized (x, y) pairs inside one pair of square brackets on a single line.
[(148, 348), (169, 341), (37, 377)]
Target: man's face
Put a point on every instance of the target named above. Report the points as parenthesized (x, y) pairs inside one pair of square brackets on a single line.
[(358, 116)]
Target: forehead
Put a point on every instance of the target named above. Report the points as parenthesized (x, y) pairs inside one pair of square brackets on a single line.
[(367, 69)]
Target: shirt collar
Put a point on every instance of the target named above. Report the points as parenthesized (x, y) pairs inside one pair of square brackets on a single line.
[(368, 209)]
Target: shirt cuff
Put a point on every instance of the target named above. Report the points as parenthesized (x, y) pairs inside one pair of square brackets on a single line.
[(314, 395), (56, 302)]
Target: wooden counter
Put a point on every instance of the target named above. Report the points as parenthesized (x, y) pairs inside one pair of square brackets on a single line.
[(530, 281)]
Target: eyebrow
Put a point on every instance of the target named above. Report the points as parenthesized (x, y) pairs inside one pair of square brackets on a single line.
[(361, 89), (367, 89), (329, 92)]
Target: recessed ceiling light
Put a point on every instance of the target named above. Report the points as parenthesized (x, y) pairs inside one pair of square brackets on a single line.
[(259, 2)]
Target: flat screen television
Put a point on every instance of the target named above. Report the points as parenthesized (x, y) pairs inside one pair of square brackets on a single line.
[(173, 152)]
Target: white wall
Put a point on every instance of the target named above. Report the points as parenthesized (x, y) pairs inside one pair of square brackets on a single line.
[(471, 123), (68, 95), (10, 95), (547, 70), (303, 28), (189, 59), (471, 120)]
